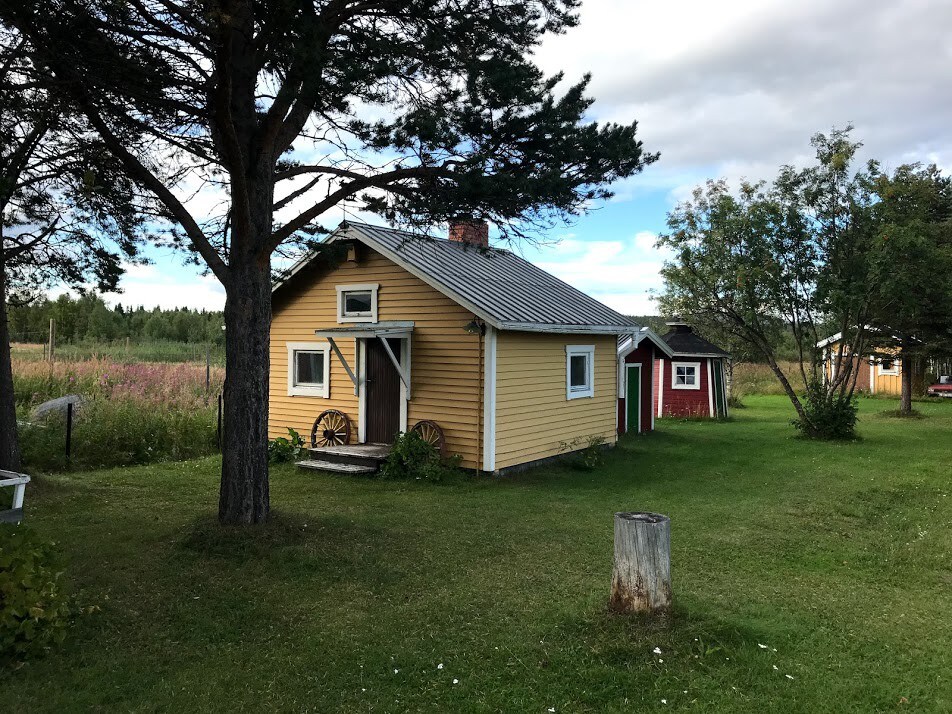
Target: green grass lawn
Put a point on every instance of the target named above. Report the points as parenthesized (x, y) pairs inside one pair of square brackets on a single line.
[(807, 577)]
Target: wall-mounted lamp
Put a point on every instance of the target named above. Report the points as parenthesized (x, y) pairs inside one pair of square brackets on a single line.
[(475, 327)]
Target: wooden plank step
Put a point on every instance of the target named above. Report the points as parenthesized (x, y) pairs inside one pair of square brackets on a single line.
[(336, 467), (357, 454)]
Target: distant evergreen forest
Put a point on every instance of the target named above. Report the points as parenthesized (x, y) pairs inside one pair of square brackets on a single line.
[(87, 318)]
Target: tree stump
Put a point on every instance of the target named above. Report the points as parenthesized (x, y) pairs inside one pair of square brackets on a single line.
[(641, 581)]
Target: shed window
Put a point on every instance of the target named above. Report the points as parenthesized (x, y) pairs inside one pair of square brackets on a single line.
[(686, 375), (308, 369), (579, 371), (888, 366), (357, 303)]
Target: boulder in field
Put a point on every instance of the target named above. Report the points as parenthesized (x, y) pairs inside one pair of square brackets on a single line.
[(57, 406)]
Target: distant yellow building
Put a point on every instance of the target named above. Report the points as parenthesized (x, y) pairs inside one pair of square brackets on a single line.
[(878, 373)]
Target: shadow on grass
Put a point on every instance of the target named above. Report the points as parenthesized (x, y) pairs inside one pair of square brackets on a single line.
[(296, 547), (686, 633), (209, 538), (899, 414)]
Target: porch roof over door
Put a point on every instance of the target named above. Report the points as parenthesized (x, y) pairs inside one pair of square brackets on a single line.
[(395, 329)]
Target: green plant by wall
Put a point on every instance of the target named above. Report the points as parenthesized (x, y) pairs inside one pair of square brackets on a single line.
[(35, 610), (413, 458), (590, 455), (285, 449)]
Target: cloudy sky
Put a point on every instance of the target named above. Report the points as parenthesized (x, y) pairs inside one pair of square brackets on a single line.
[(720, 89)]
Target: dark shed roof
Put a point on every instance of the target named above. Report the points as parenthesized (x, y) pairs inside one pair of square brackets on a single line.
[(683, 342), (504, 289)]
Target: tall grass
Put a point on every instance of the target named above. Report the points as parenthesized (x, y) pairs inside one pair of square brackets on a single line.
[(131, 413), (122, 351), (759, 378)]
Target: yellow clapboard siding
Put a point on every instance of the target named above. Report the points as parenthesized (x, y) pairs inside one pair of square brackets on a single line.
[(446, 367), (532, 413), (888, 384), (882, 383)]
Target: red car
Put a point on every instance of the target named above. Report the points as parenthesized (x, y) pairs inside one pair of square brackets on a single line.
[(942, 388)]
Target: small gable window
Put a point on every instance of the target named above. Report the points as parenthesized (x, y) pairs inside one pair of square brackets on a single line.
[(309, 369), (357, 303), (579, 371), (686, 375)]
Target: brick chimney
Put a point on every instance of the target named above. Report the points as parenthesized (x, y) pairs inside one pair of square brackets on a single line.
[(676, 324), (468, 230)]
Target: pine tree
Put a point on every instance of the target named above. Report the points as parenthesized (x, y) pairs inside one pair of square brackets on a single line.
[(418, 110)]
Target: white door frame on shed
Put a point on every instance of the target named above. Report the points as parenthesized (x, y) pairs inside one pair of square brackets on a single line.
[(641, 395)]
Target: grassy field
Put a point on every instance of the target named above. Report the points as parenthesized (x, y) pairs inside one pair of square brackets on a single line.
[(808, 577)]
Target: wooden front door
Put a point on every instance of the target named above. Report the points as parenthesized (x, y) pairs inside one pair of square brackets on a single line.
[(633, 399), (383, 393)]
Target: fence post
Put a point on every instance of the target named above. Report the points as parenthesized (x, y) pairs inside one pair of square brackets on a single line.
[(69, 429), (208, 371)]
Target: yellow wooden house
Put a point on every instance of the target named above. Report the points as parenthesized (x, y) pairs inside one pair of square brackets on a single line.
[(483, 353), (879, 373)]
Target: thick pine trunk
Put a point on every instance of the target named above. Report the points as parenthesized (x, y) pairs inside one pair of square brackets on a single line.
[(641, 581), (244, 497), (9, 441), (905, 399)]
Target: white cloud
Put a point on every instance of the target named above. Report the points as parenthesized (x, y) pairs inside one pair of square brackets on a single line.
[(741, 86), (151, 286), (645, 240), (622, 274)]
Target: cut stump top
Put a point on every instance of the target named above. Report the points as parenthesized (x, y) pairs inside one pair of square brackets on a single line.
[(643, 517)]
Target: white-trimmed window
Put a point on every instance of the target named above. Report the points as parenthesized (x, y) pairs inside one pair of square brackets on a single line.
[(309, 369), (357, 303), (579, 371), (685, 375), (889, 366)]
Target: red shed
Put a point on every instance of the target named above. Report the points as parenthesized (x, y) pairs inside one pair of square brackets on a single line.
[(637, 355), (691, 381)]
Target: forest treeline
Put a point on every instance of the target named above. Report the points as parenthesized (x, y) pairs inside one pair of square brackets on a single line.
[(89, 318)]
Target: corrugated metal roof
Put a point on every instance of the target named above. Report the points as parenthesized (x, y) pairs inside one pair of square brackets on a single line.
[(498, 285)]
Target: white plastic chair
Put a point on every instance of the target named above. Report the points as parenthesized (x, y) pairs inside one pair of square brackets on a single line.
[(17, 482)]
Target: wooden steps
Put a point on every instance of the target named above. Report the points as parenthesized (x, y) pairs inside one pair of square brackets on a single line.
[(353, 459), (337, 468)]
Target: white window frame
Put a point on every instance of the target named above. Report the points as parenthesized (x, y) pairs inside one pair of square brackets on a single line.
[(587, 351), (697, 375), (308, 390), (893, 372), (342, 290)]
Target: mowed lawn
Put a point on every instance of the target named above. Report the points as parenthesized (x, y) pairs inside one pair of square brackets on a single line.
[(807, 577)]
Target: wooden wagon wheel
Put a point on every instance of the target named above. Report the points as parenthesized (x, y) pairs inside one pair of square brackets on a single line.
[(431, 433), (332, 428)]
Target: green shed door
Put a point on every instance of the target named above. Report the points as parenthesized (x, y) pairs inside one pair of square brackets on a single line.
[(633, 398), (720, 398)]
